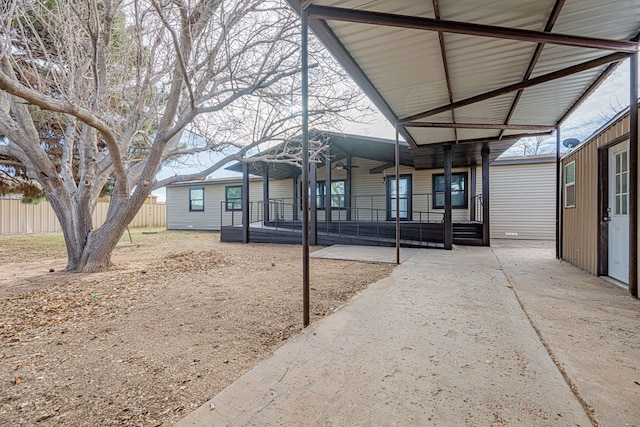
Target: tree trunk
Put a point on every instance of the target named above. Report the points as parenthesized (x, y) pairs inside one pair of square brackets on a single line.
[(89, 250), (96, 254)]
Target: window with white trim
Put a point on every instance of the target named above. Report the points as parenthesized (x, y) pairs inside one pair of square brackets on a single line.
[(570, 185)]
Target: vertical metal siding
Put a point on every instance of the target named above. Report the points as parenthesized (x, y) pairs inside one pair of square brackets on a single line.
[(580, 224)]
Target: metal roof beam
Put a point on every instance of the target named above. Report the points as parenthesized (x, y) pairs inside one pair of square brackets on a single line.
[(379, 169), (486, 140), (430, 24), (343, 56), (596, 84), (443, 54), (614, 57), (555, 13), (543, 128)]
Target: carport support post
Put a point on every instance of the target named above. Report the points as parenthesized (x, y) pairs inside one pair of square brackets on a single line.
[(305, 168), (448, 220), (486, 231), (327, 189), (397, 190), (558, 198), (245, 203), (265, 191), (633, 177)]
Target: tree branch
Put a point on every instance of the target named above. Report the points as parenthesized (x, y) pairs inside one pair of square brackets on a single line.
[(84, 115)]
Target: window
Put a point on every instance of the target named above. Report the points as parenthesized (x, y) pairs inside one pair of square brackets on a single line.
[(570, 185), (622, 183), (337, 194), (233, 198), (458, 191), (405, 197), (196, 199)]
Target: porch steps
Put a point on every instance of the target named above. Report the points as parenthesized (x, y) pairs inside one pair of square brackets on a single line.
[(467, 233)]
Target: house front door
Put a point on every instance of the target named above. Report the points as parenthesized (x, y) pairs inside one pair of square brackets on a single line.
[(618, 212), (405, 197)]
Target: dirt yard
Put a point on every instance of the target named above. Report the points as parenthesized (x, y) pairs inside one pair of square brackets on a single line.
[(178, 318)]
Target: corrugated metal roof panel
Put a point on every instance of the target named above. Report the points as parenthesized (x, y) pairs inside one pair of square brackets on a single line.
[(404, 7), (610, 19), (419, 81), (465, 134), (545, 103), (426, 136), (406, 66), (526, 14), (491, 111), (478, 65)]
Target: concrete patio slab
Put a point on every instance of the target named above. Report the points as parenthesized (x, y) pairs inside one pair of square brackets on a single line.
[(467, 337), (591, 326)]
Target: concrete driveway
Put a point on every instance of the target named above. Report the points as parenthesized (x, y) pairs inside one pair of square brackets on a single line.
[(476, 336)]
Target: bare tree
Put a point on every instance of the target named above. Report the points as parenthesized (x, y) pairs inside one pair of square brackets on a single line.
[(118, 82), (533, 146)]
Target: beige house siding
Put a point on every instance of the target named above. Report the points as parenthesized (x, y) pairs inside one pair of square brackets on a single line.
[(368, 198), (580, 224), (523, 201), (180, 218)]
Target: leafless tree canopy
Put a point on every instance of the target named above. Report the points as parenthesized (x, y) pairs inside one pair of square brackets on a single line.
[(97, 94)]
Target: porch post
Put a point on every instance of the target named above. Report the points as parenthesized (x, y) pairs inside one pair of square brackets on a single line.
[(486, 231), (397, 160), (294, 214), (305, 168), (313, 205), (245, 203), (472, 187), (327, 189), (448, 220), (265, 191), (558, 198), (633, 177), (347, 190)]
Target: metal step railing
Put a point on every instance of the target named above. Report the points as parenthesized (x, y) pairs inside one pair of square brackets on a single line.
[(368, 222)]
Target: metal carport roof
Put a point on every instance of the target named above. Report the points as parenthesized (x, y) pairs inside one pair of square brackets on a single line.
[(468, 72)]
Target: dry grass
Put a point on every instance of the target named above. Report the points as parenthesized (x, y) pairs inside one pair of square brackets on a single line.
[(179, 318)]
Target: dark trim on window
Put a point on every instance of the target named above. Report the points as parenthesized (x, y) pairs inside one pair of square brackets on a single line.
[(320, 193), (196, 204), (435, 178), (390, 207), (232, 203)]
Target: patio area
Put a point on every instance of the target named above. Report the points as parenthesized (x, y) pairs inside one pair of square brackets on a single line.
[(506, 335)]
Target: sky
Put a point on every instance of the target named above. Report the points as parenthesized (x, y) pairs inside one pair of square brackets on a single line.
[(604, 103)]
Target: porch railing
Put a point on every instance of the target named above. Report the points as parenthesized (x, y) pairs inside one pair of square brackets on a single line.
[(476, 214), (355, 221)]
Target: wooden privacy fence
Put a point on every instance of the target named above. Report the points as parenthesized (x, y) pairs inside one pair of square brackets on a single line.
[(21, 218)]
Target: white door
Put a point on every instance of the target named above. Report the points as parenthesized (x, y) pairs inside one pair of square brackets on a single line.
[(619, 212)]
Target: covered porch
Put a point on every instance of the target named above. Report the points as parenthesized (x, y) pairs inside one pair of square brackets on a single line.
[(362, 197)]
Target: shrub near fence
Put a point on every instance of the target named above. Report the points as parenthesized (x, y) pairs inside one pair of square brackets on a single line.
[(21, 218)]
